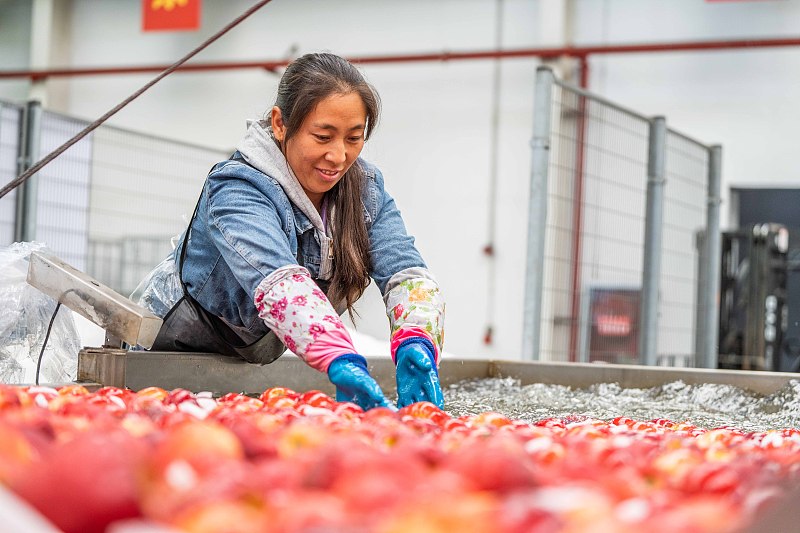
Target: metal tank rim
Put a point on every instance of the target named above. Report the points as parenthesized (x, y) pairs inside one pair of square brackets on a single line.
[(222, 374)]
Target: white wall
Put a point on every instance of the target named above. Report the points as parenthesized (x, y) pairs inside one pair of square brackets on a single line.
[(433, 143), (15, 40), (743, 99)]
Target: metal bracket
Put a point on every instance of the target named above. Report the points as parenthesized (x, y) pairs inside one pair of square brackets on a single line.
[(121, 318)]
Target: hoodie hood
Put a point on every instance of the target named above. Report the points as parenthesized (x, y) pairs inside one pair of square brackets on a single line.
[(259, 149)]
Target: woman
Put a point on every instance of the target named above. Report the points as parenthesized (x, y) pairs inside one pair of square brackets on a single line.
[(286, 236)]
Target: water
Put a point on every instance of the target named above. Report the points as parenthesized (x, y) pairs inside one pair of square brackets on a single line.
[(706, 405)]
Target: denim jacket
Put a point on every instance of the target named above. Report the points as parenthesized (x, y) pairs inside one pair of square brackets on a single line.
[(246, 228)]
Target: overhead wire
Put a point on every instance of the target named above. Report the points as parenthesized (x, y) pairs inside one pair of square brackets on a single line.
[(19, 180)]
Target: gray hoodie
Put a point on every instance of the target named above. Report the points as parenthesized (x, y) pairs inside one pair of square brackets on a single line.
[(259, 149)]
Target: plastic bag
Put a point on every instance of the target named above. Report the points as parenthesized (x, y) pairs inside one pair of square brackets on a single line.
[(25, 314), (161, 289)]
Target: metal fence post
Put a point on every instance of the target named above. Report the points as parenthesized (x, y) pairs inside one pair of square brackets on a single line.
[(701, 293), (713, 244), (653, 227), (28, 151), (537, 213)]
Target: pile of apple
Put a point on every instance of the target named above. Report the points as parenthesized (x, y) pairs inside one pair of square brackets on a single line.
[(292, 462)]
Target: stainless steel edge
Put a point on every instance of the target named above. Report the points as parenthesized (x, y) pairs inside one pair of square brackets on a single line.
[(221, 374), (581, 375)]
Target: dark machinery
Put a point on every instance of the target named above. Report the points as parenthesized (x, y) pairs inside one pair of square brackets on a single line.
[(753, 308)]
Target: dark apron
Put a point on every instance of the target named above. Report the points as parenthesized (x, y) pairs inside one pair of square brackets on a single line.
[(188, 327)]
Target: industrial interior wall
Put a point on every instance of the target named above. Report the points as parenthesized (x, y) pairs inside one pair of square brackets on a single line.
[(743, 99), (434, 141), (15, 41)]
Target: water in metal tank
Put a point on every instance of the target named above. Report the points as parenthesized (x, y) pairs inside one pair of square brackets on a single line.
[(706, 405)]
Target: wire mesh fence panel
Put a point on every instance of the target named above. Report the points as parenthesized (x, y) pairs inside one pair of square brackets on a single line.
[(62, 189), (685, 202), (123, 263), (10, 116), (626, 199), (594, 236), (144, 189), (111, 204)]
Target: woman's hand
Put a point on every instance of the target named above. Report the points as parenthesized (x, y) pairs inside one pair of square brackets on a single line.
[(417, 376), (354, 384)]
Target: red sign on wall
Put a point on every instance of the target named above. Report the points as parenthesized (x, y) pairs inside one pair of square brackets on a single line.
[(614, 324), (170, 15)]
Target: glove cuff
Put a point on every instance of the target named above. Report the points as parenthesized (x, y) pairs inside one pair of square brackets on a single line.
[(429, 350), (354, 358)]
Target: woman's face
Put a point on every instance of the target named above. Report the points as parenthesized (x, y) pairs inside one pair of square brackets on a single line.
[(328, 141)]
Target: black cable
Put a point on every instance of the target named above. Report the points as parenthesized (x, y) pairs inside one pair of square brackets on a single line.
[(94, 125), (44, 342)]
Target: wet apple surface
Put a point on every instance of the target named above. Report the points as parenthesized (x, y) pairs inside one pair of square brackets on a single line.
[(302, 462)]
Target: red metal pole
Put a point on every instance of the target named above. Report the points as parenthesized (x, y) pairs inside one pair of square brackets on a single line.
[(577, 214), (546, 53)]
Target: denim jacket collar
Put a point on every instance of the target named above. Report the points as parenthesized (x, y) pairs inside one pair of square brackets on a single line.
[(301, 221)]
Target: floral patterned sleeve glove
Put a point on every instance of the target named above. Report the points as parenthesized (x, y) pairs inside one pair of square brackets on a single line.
[(299, 313), (415, 307)]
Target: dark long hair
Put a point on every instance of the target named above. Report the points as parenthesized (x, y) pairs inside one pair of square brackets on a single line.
[(307, 81)]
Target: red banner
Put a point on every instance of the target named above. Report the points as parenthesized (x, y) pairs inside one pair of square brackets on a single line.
[(170, 15)]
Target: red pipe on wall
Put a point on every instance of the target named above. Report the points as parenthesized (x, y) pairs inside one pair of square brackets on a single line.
[(545, 53)]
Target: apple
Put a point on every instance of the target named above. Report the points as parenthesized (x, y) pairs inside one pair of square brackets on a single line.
[(199, 443), (16, 453), (223, 516), (153, 392), (424, 411), (497, 463), (468, 512), (85, 484)]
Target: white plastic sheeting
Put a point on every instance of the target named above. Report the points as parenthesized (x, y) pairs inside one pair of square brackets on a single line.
[(25, 314)]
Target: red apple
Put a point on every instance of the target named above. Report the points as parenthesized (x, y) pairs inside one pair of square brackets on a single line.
[(496, 463), (86, 484)]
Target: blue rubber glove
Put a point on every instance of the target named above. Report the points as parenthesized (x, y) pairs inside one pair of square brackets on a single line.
[(354, 384), (417, 375)]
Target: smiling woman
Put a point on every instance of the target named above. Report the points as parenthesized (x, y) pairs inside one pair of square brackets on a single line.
[(327, 143), (286, 236)]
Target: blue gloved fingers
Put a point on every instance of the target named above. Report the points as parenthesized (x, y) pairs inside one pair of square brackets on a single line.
[(433, 391), (407, 376), (370, 394), (342, 397), (430, 391), (420, 359), (354, 384), (423, 369), (404, 393), (417, 377), (359, 388)]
